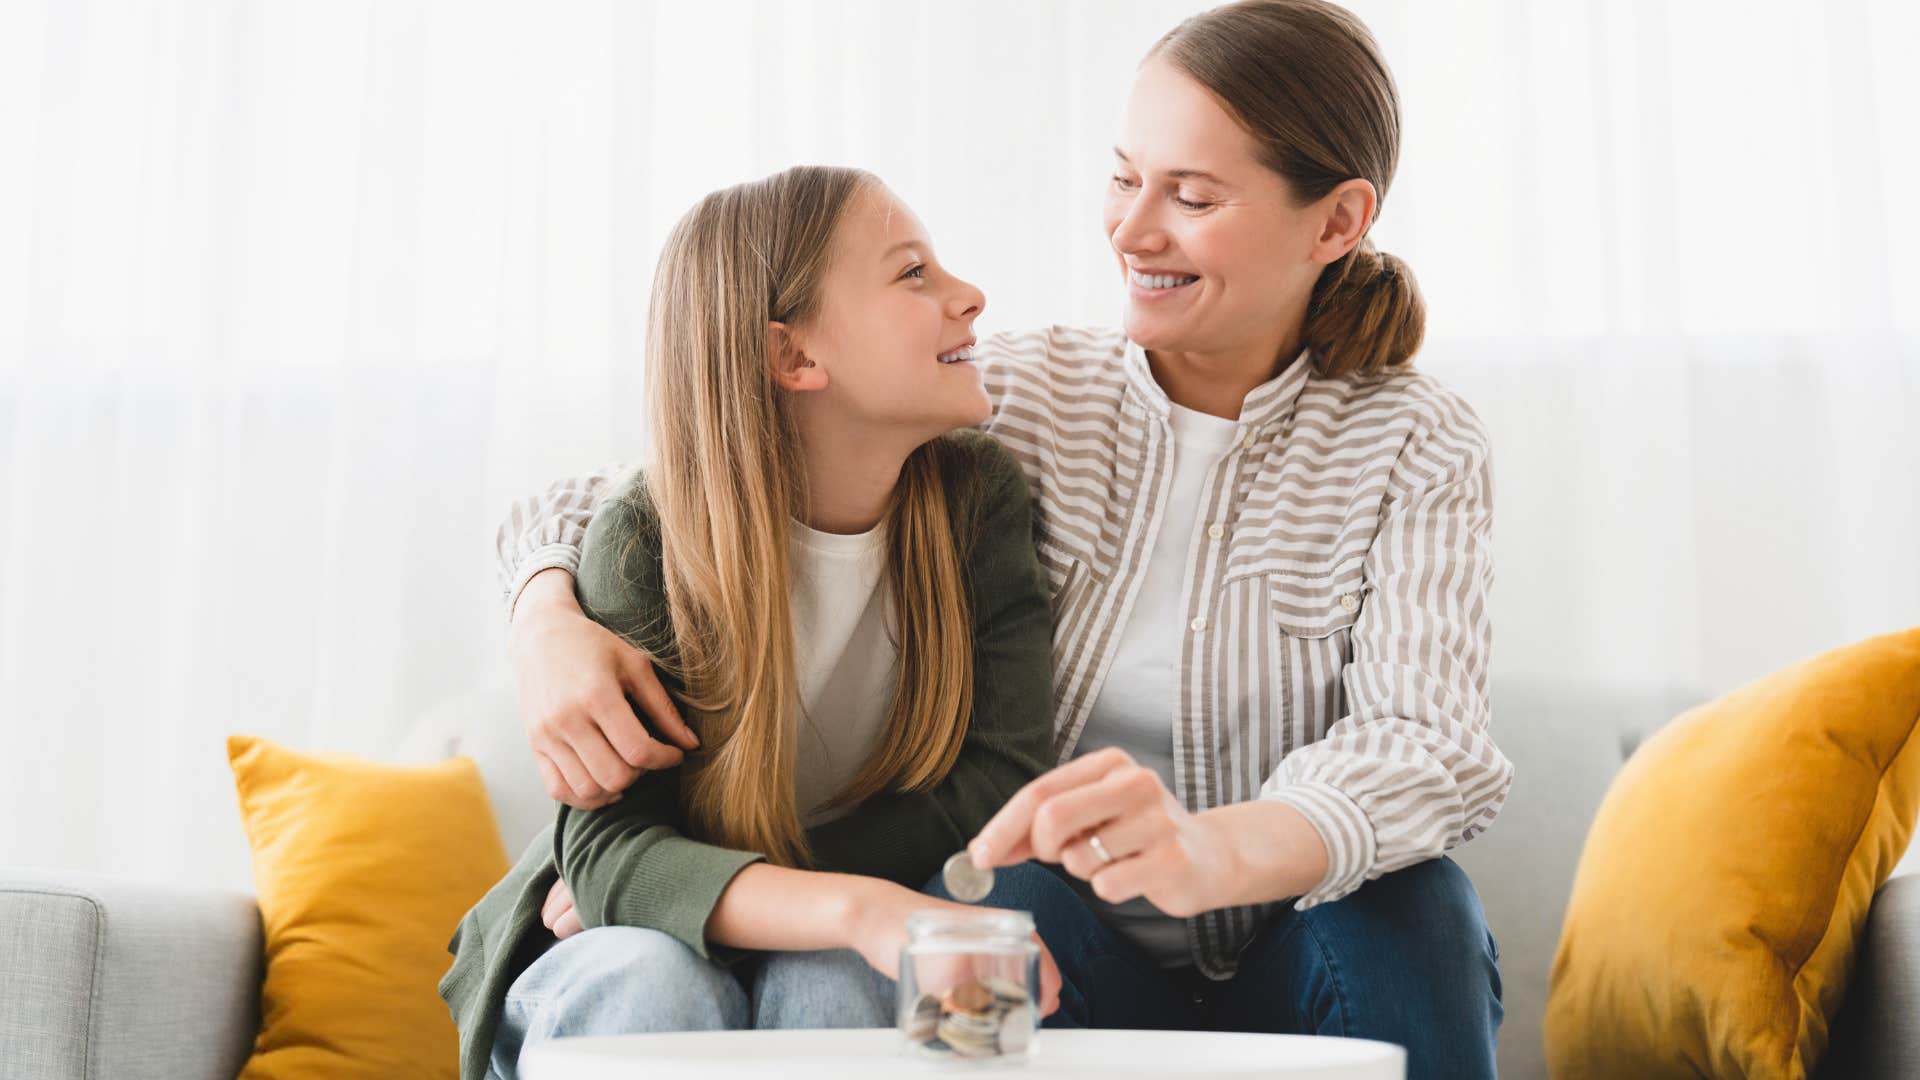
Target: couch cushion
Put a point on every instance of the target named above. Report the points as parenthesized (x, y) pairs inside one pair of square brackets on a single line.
[(1727, 877), (363, 871)]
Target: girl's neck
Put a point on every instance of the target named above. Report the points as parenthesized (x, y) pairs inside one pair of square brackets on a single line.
[(850, 476)]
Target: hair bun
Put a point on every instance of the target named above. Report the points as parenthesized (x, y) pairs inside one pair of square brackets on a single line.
[(1366, 315)]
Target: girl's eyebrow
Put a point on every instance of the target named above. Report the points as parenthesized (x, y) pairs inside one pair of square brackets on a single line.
[(888, 254), (1179, 174)]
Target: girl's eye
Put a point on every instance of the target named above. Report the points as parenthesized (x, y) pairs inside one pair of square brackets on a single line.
[(917, 270)]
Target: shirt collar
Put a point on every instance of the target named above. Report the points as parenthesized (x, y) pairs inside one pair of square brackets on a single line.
[(1269, 401)]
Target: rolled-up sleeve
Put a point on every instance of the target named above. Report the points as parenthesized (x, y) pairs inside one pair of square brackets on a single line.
[(1410, 769), (547, 529)]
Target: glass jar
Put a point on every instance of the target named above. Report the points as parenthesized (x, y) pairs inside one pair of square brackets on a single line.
[(969, 984)]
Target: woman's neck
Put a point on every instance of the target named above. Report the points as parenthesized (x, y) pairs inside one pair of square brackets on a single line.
[(1217, 382), (851, 475)]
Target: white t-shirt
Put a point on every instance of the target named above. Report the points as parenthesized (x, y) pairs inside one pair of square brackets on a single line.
[(845, 657), (1134, 710)]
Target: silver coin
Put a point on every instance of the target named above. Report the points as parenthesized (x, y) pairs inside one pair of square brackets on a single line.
[(921, 1020), (970, 1036), (1006, 992), (966, 882), (1016, 1029)]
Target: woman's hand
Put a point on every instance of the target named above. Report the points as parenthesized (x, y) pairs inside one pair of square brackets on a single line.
[(1150, 845), (878, 928), (578, 681)]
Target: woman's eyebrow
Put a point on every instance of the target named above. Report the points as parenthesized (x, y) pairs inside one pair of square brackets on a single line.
[(1179, 174)]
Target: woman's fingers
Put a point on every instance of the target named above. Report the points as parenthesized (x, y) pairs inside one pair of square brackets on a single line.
[(568, 925), (1123, 838), (1013, 825), (557, 788), (643, 685), (588, 736), (1067, 816), (577, 786)]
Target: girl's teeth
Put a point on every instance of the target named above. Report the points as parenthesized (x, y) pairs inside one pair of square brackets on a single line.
[(1160, 281), (956, 356)]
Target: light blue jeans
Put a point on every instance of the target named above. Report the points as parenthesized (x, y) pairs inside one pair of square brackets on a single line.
[(622, 980)]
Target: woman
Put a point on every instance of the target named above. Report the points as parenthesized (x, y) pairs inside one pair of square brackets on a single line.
[(1267, 540), (840, 591)]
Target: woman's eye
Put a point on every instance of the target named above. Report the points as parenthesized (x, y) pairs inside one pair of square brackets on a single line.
[(1125, 184), (1188, 204)]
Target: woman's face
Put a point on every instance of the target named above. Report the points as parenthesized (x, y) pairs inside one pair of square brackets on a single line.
[(890, 323), (1214, 254)]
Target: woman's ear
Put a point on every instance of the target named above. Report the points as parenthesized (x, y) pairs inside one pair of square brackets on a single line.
[(787, 356), (1349, 212)]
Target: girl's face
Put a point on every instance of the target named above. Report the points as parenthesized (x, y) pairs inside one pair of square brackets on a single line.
[(888, 348), (1214, 254)]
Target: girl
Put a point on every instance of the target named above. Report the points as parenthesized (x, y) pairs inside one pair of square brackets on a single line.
[(1268, 539), (840, 594)]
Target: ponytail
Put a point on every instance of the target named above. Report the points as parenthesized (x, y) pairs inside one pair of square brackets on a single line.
[(1366, 315)]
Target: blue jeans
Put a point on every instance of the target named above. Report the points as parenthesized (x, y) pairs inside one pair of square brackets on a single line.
[(1406, 959), (621, 980)]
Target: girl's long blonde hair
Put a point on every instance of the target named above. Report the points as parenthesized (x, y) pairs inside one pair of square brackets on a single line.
[(726, 480)]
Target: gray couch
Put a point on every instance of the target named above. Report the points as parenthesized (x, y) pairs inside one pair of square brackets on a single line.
[(101, 978)]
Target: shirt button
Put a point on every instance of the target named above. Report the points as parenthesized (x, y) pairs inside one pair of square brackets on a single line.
[(1216, 532), (1248, 441), (1198, 624), (1350, 603)]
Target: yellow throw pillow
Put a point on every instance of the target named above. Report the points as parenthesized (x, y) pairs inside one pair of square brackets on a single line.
[(1728, 873), (363, 871)]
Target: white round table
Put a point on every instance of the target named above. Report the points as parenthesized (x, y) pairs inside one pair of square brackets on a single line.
[(876, 1052)]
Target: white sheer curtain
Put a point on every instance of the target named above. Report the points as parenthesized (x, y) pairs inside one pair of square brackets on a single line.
[(295, 296)]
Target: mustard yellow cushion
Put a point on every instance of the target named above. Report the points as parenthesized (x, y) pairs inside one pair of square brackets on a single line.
[(1728, 874), (363, 870)]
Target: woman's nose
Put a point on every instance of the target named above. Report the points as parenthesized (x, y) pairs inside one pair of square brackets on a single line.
[(1137, 230)]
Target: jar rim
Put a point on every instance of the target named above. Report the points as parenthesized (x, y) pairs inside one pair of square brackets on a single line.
[(984, 922)]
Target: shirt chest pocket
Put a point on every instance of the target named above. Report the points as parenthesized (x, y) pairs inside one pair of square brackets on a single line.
[(1315, 606)]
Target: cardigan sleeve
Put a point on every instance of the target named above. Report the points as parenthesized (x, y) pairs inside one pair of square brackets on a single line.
[(1410, 770)]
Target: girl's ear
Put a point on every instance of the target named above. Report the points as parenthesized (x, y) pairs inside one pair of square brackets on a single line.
[(787, 356)]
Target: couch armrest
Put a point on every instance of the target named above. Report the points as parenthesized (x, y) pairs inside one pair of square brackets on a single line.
[(1877, 1035), (106, 978)]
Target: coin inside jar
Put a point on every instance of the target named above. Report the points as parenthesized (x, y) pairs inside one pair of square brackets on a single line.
[(966, 882)]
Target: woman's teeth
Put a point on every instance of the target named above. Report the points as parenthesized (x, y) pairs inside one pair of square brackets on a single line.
[(959, 355), (1159, 281)]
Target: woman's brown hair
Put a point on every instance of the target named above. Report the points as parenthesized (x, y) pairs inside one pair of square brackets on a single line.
[(1307, 80)]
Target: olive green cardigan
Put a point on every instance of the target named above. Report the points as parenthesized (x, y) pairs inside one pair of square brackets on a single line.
[(633, 864)]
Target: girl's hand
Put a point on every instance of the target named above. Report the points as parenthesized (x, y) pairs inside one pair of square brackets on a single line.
[(578, 681), (558, 911), (1149, 845), (878, 929)]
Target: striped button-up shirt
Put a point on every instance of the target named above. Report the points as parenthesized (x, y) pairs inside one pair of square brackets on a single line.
[(1335, 650)]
